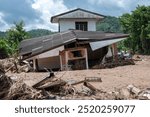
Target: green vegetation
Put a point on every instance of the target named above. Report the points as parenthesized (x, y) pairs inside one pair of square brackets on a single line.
[(137, 24), (109, 24), (9, 43), (5, 50), (39, 32), (10, 39), (2, 34)]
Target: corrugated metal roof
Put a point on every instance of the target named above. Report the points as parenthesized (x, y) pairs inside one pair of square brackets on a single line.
[(100, 44), (39, 45)]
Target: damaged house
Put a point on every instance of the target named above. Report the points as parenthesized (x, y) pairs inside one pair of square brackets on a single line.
[(77, 45)]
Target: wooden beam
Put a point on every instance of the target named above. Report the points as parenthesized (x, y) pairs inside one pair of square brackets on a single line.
[(86, 58), (115, 52)]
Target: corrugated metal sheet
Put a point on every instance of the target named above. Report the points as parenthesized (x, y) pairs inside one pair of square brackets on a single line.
[(77, 13), (36, 46), (100, 44)]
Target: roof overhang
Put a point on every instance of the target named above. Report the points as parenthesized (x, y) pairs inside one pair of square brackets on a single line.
[(77, 14), (101, 44)]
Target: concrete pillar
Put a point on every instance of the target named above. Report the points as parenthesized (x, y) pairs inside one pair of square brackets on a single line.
[(34, 64), (60, 62), (86, 57), (66, 59), (115, 52)]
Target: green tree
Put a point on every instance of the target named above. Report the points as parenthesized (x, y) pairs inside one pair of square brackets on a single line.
[(16, 34), (137, 24), (39, 32), (109, 24), (5, 49)]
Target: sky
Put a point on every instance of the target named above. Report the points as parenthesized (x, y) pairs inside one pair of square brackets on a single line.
[(37, 13)]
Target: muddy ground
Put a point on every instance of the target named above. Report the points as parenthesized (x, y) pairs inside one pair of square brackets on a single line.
[(114, 78)]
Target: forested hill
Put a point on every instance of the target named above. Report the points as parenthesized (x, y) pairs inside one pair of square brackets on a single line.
[(32, 33), (109, 24), (39, 32)]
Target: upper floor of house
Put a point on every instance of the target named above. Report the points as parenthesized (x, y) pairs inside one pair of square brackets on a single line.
[(78, 19)]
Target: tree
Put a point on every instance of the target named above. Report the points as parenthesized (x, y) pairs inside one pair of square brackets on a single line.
[(109, 24), (39, 32), (5, 50), (16, 34), (137, 24)]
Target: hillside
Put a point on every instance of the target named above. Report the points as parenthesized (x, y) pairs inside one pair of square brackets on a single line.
[(39, 32), (109, 24)]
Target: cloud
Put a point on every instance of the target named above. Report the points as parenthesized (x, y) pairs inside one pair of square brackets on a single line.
[(48, 8), (118, 7), (17, 10), (3, 24), (35, 13)]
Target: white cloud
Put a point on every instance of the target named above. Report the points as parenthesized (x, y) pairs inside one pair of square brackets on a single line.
[(47, 8), (3, 24), (119, 6)]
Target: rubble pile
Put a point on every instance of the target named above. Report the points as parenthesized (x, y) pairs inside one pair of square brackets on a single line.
[(55, 88), (5, 84), (113, 64), (14, 90), (13, 65), (52, 87)]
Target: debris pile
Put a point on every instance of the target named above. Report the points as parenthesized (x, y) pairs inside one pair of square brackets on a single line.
[(14, 90), (5, 84), (112, 64), (52, 87), (56, 88), (13, 65)]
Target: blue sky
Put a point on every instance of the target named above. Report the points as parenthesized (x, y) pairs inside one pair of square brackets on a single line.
[(37, 13)]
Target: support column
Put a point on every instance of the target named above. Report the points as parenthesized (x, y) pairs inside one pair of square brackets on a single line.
[(60, 62), (34, 64), (86, 57), (115, 52), (66, 59)]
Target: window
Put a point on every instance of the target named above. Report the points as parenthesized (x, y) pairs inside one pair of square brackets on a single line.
[(77, 53), (81, 26)]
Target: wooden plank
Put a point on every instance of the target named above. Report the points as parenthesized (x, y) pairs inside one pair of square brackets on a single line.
[(42, 82), (93, 79), (91, 87), (52, 84)]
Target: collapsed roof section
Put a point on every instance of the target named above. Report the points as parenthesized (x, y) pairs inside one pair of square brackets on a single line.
[(36, 46)]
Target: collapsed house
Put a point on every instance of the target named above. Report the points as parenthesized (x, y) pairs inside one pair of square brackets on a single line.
[(77, 45)]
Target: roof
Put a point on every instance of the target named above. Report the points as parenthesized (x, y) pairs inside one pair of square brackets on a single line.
[(36, 46), (77, 13)]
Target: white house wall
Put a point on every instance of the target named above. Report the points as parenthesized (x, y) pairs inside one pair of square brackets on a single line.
[(66, 24), (51, 53)]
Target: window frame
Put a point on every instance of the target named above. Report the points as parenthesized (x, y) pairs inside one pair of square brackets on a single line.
[(81, 25)]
